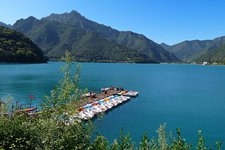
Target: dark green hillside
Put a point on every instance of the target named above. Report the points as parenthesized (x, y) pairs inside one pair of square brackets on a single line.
[(60, 32), (15, 47), (92, 47), (191, 50), (214, 55), (188, 50), (144, 45)]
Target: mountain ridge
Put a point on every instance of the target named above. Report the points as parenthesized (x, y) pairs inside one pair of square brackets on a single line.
[(42, 31), (5, 25), (127, 39), (192, 50), (55, 38)]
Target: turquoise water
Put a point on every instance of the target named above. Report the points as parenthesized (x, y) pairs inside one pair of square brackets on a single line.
[(190, 97)]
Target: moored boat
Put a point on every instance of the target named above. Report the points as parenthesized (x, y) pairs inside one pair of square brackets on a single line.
[(131, 93), (89, 110)]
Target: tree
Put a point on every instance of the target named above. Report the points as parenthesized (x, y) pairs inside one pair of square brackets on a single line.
[(145, 142), (162, 137), (66, 95)]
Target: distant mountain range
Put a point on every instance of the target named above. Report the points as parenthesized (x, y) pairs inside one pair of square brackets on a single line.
[(197, 50), (90, 41), (16, 47), (94, 42)]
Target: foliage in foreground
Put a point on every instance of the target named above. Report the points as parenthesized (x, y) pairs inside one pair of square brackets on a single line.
[(49, 131), (22, 133)]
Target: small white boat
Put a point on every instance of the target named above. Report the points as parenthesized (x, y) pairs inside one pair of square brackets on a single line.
[(110, 104), (119, 99), (97, 109), (82, 115), (89, 94), (105, 89), (89, 113), (107, 105), (125, 98), (111, 96), (94, 110), (131, 93), (102, 107), (114, 102)]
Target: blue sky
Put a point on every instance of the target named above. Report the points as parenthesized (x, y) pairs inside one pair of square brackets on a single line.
[(169, 21)]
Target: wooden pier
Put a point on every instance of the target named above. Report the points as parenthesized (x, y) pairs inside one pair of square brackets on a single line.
[(98, 96)]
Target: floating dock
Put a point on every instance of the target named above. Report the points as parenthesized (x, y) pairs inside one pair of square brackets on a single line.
[(102, 102)]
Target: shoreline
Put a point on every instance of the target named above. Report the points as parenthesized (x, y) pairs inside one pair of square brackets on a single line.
[(96, 62)]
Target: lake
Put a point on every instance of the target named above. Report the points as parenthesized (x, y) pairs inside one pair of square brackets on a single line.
[(191, 97)]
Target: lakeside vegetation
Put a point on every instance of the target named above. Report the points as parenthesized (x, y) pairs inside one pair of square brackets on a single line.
[(49, 131)]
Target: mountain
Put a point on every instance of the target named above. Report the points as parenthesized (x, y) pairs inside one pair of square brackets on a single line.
[(192, 50), (214, 55), (81, 26), (165, 46), (55, 38), (188, 50), (5, 25), (2, 24), (107, 51), (15, 47)]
